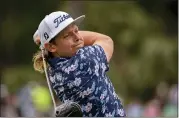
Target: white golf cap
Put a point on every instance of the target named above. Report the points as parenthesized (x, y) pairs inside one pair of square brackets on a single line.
[(53, 24), (35, 35)]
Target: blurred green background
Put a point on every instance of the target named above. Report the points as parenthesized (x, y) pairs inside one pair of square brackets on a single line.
[(144, 33)]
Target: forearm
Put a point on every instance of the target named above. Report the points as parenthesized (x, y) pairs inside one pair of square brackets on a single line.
[(91, 37)]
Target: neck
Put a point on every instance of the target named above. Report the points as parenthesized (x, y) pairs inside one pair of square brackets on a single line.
[(56, 54)]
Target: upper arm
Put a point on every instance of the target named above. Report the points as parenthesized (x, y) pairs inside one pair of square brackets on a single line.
[(107, 46), (92, 38)]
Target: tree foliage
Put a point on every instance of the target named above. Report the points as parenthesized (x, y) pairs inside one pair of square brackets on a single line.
[(144, 54)]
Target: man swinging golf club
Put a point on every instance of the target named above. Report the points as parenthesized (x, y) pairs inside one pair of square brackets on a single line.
[(77, 62)]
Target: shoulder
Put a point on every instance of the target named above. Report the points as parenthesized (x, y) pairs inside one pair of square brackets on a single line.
[(92, 53), (94, 50)]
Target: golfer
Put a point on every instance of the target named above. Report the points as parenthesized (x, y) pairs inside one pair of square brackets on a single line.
[(77, 65)]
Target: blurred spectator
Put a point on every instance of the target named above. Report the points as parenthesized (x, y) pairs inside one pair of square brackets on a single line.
[(25, 101), (170, 109), (134, 109), (152, 108), (42, 100), (33, 100), (7, 107), (173, 95), (162, 92)]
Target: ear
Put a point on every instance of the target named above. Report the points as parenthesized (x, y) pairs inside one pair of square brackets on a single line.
[(37, 40), (50, 47)]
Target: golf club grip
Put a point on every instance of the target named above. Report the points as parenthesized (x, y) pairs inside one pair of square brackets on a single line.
[(68, 109)]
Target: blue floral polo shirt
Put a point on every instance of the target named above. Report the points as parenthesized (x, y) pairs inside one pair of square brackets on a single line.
[(82, 79)]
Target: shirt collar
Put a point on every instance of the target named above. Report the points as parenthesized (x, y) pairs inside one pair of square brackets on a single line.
[(56, 61)]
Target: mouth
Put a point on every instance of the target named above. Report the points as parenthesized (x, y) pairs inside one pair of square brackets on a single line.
[(77, 45)]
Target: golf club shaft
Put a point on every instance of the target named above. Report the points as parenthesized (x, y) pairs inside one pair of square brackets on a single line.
[(49, 86)]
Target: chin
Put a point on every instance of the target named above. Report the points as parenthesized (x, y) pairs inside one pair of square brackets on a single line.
[(77, 50), (80, 46)]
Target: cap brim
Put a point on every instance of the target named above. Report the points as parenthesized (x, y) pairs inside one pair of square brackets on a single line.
[(35, 35), (78, 20)]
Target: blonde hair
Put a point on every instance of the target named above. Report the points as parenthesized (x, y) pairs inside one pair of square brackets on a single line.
[(38, 61)]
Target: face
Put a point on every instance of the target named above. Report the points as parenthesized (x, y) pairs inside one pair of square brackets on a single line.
[(67, 42)]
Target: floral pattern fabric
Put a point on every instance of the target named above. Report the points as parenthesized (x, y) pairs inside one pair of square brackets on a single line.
[(82, 79)]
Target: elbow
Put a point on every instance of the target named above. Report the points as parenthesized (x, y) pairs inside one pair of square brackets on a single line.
[(108, 38), (110, 41), (109, 48)]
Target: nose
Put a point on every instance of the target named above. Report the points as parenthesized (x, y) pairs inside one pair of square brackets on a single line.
[(76, 37)]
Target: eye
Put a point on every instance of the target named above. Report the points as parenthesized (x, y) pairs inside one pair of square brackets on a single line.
[(76, 30), (66, 35)]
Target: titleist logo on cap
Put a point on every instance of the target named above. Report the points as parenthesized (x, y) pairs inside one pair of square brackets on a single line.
[(60, 19)]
